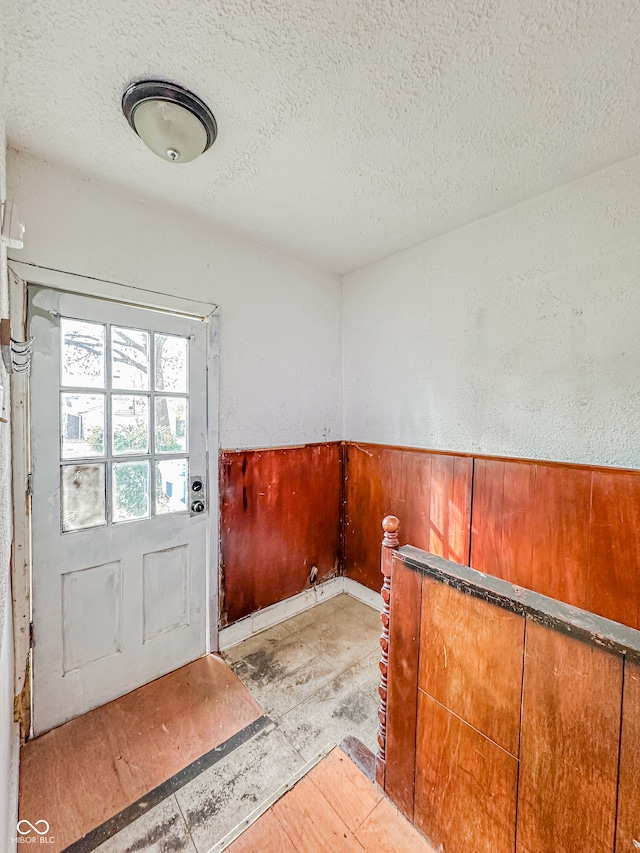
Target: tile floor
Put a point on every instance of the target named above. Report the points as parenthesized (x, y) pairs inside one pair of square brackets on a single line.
[(316, 676)]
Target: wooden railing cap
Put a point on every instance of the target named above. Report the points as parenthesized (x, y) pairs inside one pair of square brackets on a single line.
[(390, 525)]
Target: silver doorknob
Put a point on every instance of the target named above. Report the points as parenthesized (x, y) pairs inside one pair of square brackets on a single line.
[(197, 506)]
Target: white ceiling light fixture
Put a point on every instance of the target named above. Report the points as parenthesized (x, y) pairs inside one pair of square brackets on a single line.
[(173, 122)]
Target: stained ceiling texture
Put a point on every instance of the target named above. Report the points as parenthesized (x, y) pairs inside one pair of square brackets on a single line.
[(348, 129)]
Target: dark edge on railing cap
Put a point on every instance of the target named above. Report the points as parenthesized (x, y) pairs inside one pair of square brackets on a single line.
[(549, 612)]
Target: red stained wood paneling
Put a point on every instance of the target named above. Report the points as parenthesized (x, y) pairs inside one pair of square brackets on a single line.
[(614, 554), (402, 695), (471, 658), (374, 479), (628, 829), (531, 526), (450, 507), (503, 497), (560, 523), (429, 492), (465, 785), (569, 744), (280, 516), (567, 531)]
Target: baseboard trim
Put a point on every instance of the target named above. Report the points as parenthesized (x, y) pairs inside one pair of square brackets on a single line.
[(363, 593), (282, 610)]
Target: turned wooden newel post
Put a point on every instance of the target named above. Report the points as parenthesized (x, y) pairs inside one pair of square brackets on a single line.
[(390, 542)]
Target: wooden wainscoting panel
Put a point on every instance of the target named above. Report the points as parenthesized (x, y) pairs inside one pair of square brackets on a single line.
[(471, 659), (450, 507), (486, 531), (569, 745), (503, 496), (628, 831), (465, 785), (279, 517), (560, 523), (402, 693), (375, 487), (429, 492), (566, 531), (614, 553)]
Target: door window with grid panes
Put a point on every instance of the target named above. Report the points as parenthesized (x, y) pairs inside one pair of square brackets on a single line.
[(124, 424)]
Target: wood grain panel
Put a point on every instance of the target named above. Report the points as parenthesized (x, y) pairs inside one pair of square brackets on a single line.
[(614, 554), (628, 830), (429, 492), (375, 484), (501, 542), (346, 788), (280, 515), (266, 835), (471, 659), (386, 831), (535, 524), (569, 744), (531, 526), (465, 785), (450, 507), (560, 521), (311, 823), (488, 504), (402, 695)]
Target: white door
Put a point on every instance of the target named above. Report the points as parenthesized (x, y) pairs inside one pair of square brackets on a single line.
[(119, 515)]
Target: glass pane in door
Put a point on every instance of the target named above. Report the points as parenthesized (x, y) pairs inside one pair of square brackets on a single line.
[(130, 490), (172, 361), (130, 424), (82, 425), (171, 424), (82, 354), (129, 359), (171, 486), (82, 496)]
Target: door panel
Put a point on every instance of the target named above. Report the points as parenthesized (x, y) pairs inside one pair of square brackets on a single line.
[(118, 425)]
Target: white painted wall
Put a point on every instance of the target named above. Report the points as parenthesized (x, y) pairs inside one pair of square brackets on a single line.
[(280, 325), (516, 335), (8, 730)]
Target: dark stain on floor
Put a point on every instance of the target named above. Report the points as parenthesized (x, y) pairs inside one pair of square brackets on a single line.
[(167, 833)]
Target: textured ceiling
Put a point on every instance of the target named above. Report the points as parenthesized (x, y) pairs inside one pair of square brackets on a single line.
[(348, 129)]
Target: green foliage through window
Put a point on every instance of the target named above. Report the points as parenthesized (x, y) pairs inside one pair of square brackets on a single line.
[(131, 486)]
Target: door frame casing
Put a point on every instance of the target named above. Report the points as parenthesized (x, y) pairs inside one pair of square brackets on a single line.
[(20, 276)]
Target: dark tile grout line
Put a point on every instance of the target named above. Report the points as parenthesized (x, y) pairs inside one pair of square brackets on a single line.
[(127, 816)]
